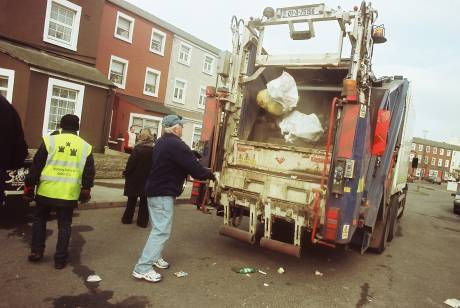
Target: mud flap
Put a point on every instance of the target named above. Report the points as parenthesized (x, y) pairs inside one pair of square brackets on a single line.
[(365, 242)]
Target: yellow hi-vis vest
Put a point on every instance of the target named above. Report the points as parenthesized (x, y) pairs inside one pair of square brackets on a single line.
[(61, 176)]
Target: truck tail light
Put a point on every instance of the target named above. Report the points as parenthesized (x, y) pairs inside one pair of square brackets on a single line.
[(332, 223)]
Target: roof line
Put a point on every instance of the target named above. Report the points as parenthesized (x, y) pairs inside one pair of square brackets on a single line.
[(152, 18)]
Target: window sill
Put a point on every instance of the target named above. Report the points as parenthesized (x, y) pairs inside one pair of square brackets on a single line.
[(184, 63), (122, 38), (162, 53), (150, 94)]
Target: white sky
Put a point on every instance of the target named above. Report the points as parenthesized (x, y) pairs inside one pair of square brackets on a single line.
[(423, 46)]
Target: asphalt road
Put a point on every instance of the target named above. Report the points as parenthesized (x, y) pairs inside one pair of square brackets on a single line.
[(419, 269)]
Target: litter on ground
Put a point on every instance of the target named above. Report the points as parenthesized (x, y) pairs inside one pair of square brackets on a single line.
[(318, 273), (93, 278), (181, 274)]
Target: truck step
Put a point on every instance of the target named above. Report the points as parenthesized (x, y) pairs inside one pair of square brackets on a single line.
[(238, 234), (282, 247)]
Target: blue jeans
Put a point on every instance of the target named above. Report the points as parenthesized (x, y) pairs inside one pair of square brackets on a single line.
[(161, 215)]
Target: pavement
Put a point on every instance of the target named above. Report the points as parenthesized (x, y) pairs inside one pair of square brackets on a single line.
[(418, 269), (108, 193)]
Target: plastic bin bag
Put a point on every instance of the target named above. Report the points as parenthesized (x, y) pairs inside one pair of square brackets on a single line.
[(284, 90), (300, 125), (281, 95)]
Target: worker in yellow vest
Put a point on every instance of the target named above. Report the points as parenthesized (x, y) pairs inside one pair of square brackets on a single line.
[(63, 169)]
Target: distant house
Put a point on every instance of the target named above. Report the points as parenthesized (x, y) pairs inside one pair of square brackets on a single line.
[(158, 68), (193, 67), (48, 54), (435, 159), (134, 53)]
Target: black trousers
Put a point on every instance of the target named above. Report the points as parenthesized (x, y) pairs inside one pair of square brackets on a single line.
[(142, 213), (64, 217)]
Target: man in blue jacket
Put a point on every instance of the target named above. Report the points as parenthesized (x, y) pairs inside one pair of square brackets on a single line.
[(172, 161)]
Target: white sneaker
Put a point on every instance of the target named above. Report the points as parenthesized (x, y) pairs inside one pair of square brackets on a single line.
[(151, 276), (161, 263)]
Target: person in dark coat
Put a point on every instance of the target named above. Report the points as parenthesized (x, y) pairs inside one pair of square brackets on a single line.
[(13, 147), (136, 172), (172, 161), (59, 193)]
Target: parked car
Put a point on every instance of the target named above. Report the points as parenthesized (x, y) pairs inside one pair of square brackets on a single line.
[(435, 180), (456, 202)]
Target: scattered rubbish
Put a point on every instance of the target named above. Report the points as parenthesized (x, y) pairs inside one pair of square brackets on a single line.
[(181, 274), (243, 270), (93, 278), (318, 273), (265, 284), (249, 275), (452, 302), (262, 272), (281, 270), (214, 264)]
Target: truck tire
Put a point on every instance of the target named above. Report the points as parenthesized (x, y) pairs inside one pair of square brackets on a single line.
[(393, 219)]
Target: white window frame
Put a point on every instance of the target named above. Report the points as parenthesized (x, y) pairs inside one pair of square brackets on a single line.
[(179, 101), (448, 153), (193, 133), (435, 150), (131, 29), (425, 160), (433, 161), (162, 51), (125, 72), (9, 88), (420, 147), (65, 84), (439, 162), (149, 117), (446, 163), (199, 98), (75, 27), (157, 86), (414, 146), (428, 149), (210, 72), (441, 151), (189, 55)]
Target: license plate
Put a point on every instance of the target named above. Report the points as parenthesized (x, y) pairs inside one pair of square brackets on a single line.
[(298, 11)]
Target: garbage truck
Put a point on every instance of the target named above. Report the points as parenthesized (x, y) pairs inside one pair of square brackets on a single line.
[(308, 147)]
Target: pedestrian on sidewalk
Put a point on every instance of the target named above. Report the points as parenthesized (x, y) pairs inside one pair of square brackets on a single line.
[(129, 140), (12, 144), (136, 173), (172, 161), (63, 170)]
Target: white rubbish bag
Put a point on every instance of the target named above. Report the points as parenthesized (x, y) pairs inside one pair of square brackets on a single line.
[(284, 90), (301, 125)]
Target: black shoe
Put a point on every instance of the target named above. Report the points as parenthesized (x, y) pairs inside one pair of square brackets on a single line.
[(35, 257), (60, 264)]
